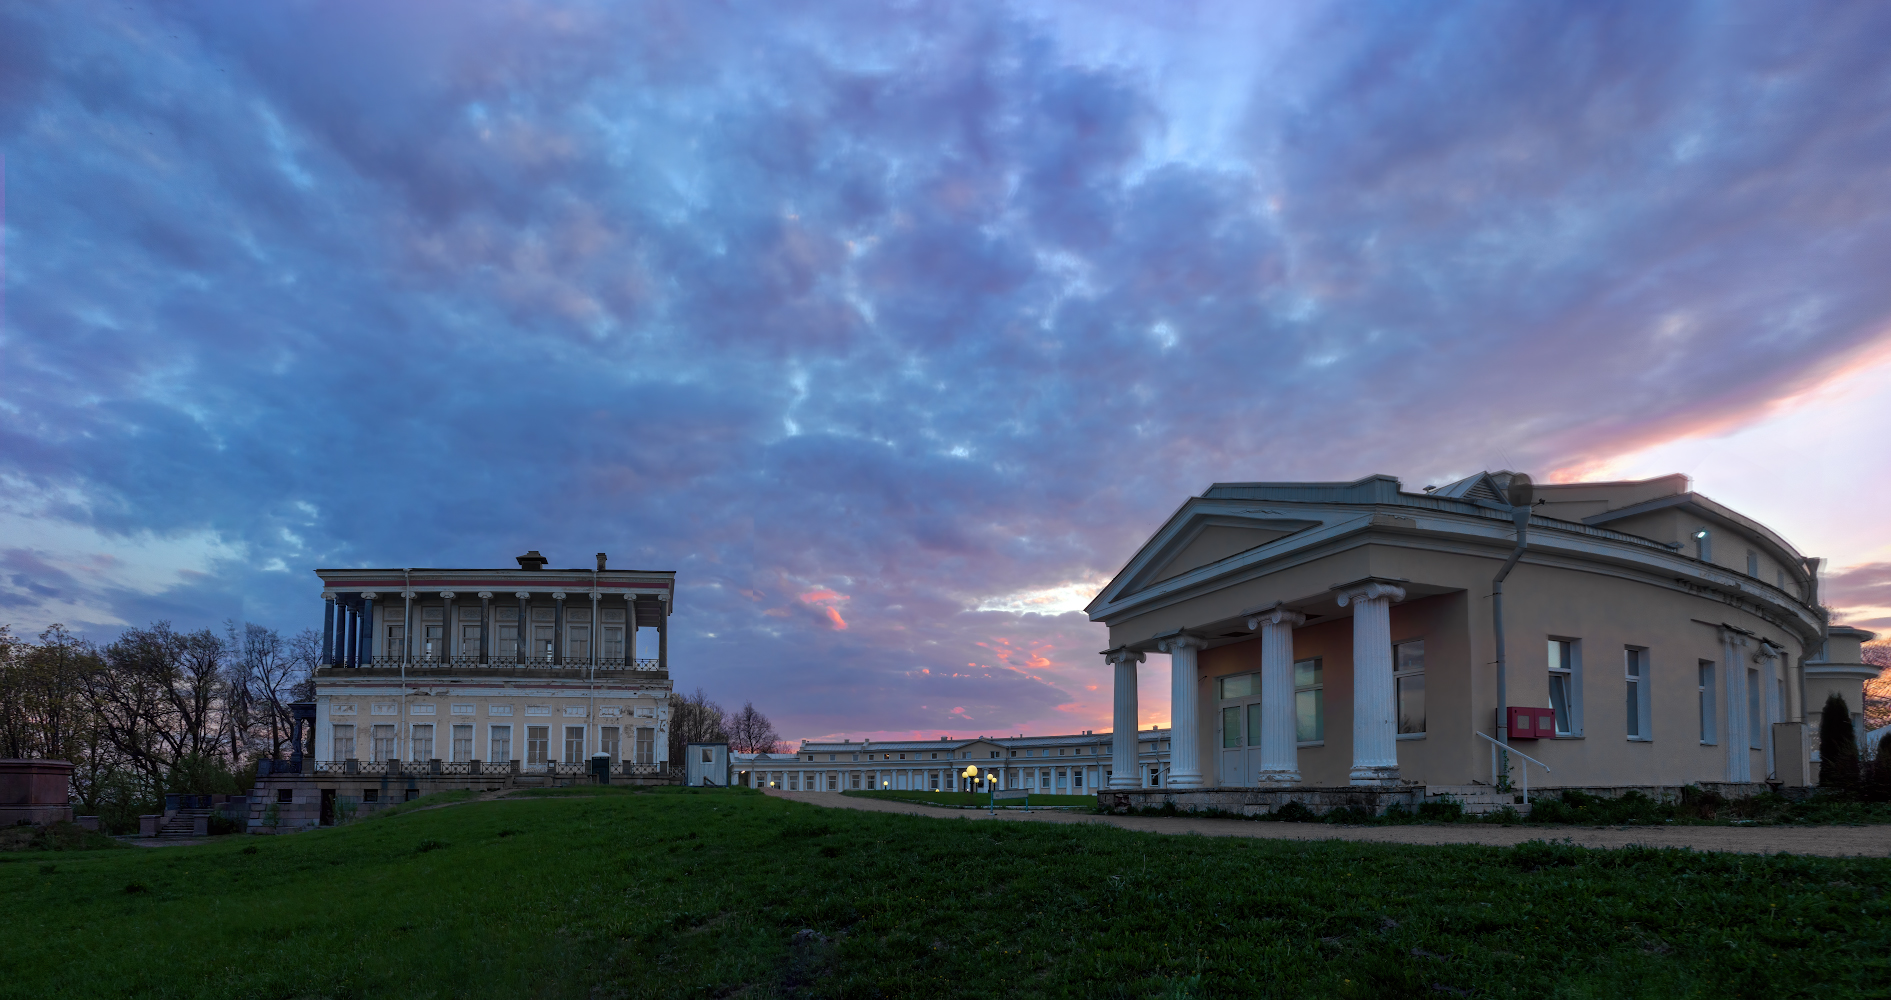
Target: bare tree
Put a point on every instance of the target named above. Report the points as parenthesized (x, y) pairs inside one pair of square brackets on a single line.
[(694, 719), (751, 732), (1878, 689)]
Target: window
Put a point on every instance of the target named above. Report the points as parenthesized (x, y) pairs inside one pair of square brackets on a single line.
[(1239, 686), (423, 742), (612, 644), (856, 779), (537, 744), (1565, 658), (833, 782), (285, 795), (1231, 726), (506, 646), (469, 640), (646, 746), (1703, 545), (462, 743), (1753, 563), (578, 644), (607, 741), (1155, 776), (394, 642), (709, 756), (542, 637), (794, 781), (574, 745), (1408, 672), (1076, 778), (1635, 676), (344, 748), (1707, 702), (370, 795), (1756, 722), (433, 646), (1309, 708), (500, 739), (384, 743)]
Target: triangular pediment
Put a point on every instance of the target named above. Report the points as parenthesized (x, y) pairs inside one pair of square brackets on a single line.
[(1199, 539)]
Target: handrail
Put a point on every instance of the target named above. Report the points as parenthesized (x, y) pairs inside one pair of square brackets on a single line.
[(1495, 746)]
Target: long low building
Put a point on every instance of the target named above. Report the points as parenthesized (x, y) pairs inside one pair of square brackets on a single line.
[(1077, 764)]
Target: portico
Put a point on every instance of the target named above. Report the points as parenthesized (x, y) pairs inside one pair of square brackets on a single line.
[(1338, 642)]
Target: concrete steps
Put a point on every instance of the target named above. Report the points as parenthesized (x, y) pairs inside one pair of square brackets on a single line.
[(185, 824)]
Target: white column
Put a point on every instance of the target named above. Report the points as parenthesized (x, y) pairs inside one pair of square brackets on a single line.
[(1280, 751), (1775, 712), (1123, 739), (1375, 729), (1185, 759), (1739, 757)]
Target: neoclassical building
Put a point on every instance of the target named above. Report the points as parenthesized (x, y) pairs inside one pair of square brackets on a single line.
[(433, 679), (1362, 635), (532, 665), (1077, 764)]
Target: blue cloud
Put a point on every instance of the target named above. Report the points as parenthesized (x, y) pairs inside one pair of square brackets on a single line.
[(923, 306)]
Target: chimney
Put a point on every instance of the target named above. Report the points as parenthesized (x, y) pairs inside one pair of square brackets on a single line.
[(600, 562), (532, 560)]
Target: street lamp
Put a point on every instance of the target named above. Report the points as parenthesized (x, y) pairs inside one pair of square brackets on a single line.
[(970, 773)]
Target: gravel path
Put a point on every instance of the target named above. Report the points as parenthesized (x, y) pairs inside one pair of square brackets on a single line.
[(1831, 841)]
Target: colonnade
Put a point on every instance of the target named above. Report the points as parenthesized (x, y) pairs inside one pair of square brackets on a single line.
[(348, 631), (1375, 722)]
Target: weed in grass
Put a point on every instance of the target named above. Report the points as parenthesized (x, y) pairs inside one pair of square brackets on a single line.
[(430, 844), (251, 849)]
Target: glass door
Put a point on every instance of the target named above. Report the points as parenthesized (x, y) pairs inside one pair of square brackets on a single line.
[(1239, 698)]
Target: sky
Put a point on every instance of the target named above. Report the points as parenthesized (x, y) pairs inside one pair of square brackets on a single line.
[(895, 328)]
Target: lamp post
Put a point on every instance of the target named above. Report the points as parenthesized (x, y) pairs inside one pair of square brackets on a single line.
[(970, 773)]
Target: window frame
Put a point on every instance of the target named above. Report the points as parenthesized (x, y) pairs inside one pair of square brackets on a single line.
[(492, 742), (1398, 677), (1641, 688), (1707, 686), (1571, 672), (1318, 689)]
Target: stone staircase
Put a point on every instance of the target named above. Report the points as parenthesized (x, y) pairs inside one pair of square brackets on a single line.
[(184, 824)]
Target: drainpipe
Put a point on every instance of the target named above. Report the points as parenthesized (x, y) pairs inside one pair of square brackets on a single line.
[(1521, 495), (403, 735)]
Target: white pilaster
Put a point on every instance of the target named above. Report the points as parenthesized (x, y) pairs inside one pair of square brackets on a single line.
[(1280, 751), (1123, 738), (1375, 726), (1769, 657), (1739, 757), (1185, 758)]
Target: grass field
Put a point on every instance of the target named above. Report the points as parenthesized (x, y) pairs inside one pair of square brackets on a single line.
[(980, 799), (688, 893)]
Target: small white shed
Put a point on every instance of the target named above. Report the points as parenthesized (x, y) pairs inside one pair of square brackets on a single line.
[(707, 765)]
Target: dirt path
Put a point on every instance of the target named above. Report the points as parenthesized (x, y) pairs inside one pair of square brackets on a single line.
[(1831, 841)]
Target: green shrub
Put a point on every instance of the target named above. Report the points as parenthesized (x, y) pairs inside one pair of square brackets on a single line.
[(1838, 746)]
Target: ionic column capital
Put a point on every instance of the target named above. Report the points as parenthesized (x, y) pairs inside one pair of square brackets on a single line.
[(1276, 615), (1173, 641), (448, 594), (1123, 654), (369, 595), (558, 595), (1732, 638), (485, 595), (1369, 590), (408, 595), (523, 595), (328, 595)]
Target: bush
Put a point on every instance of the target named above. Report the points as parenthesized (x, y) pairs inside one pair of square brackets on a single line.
[(221, 825), (1838, 746)]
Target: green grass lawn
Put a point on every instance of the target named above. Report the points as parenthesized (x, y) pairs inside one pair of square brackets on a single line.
[(689, 893), (980, 799)]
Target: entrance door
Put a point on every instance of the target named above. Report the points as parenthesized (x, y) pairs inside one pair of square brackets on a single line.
[(1234, 754), (542, 636), (435, 643), (328, 807)]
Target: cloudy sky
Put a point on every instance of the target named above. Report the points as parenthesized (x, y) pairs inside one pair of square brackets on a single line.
[(894, 328)]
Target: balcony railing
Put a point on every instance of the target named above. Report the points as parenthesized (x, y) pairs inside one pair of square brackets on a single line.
[(510, 663), (476, 768)]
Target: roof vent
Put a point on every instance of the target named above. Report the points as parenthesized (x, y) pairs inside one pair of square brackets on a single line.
[(532, 560)]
